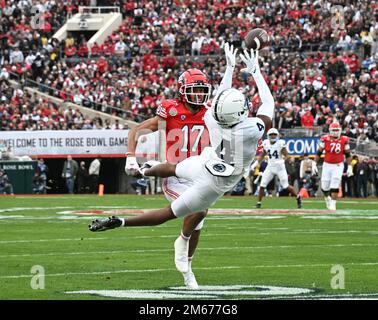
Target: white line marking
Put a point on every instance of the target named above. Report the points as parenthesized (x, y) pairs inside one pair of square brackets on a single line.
[(48, 240), (347, 296), (342, 201), (170, 250), (199, 268), (109, 272)]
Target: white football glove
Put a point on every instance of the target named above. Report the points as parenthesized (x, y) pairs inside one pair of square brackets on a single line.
[(251, 61), (230, 55), (132, 166)]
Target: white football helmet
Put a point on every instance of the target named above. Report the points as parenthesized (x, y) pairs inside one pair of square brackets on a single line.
[(271, 132), (230, 107)]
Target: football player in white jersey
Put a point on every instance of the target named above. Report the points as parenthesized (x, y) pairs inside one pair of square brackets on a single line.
[(275, 148), (234, 138)]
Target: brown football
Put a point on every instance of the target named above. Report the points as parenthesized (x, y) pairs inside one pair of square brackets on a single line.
[(256, 39)]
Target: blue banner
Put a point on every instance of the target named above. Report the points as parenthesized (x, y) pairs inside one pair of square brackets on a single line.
[(299, 146)]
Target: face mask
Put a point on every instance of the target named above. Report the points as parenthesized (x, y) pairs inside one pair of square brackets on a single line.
[(271, 139)]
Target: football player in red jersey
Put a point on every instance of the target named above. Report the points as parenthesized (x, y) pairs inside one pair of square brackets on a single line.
[(335, 147), (186, 135)]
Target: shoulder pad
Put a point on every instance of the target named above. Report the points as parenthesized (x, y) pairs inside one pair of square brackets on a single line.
[(169, 103), (324, 138)]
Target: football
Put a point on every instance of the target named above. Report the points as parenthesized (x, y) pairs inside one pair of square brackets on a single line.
[(256, 39)]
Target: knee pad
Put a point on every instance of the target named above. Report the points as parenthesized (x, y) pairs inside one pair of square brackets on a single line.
[(334, 190), (326, 192)]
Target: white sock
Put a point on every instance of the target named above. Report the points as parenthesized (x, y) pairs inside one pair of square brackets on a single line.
[(185, 237), (123, 222)]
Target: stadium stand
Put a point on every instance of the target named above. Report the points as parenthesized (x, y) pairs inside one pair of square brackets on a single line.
[(133, 70), (319, 68)]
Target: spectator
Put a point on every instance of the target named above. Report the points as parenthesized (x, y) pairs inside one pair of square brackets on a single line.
[(307, 173), (346, 181), (5, 184), (42, 171), (292, 170), (94, 174), (82, 178), (16, 56), (240, 188), (140, 185), (69, 173), (307, 167), (375, 176), (307, 120), (38, 184), (363, 174)]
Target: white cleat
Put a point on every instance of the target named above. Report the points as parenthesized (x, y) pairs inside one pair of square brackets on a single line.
[(190, 281), (181, 255), (332, 205)]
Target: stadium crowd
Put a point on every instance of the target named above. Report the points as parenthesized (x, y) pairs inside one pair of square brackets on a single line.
[(139, 64), (21, 110)]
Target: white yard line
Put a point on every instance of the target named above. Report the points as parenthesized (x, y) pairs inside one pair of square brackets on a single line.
[(347, 296), (172, 269), (110, 272), (171, 249), (342, 201), (207, 234), (49, 240)]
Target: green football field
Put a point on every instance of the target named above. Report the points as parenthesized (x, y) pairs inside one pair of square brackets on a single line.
[(47, 252)]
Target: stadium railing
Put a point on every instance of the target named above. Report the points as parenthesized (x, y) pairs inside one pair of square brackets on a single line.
[(364, 148), (300, 132)]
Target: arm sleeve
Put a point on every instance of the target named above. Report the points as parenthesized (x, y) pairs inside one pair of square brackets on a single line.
[(226, 82), (267, 106)]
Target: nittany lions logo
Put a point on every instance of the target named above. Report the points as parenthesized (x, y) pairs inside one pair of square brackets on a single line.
[(219, 167)]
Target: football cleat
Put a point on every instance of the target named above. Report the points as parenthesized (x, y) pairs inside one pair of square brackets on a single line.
[(332, 205), (258, 205), (299, 202), (190, 281), (181, 254), (105, 224)]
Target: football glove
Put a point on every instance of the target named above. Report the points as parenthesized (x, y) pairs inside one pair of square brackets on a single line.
[(132, 166), (251, 61), (230, 55)]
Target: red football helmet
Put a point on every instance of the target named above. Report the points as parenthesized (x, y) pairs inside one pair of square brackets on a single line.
[(194, 88), (335, 129)]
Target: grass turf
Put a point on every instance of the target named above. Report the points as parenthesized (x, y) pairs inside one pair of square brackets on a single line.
[(289, 250)]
